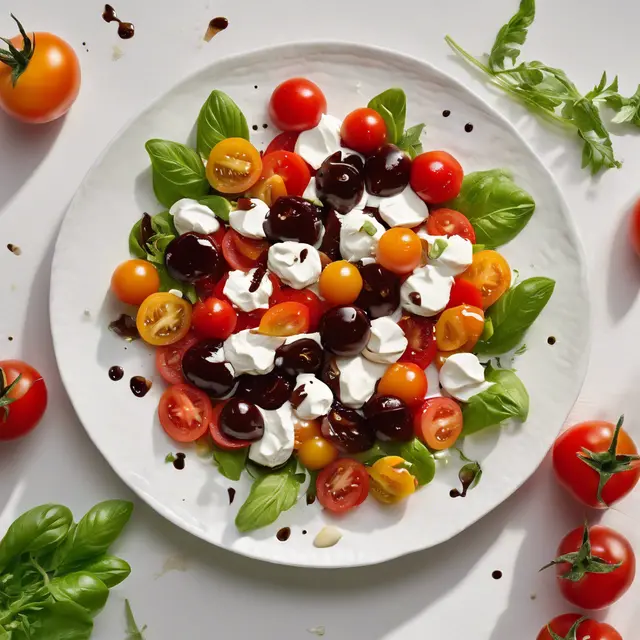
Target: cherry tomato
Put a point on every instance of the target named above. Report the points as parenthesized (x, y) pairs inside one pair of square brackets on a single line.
[(285, 319), (464, 292), (438, 423), (285, 141), (391, 482), (234, 166), (23, 399), (573, 460), (268, 189), (459, 328), (290, 167), (404, 380), (214, 318), (590, 587), (163, 319), (305, 430), (169, 358), (250, 320), (490, 274), (340, 283), (582, 628), (49, 84), (421, 335), (135, 280), (436, 176), (343, 485), (185, 412), (316, 453), (363, 130), (399, 250), (305, 297), (297, 105), (240, 252), (219, 438), (447, 222)]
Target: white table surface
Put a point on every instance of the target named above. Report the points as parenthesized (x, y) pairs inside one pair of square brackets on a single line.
[(181, 586)]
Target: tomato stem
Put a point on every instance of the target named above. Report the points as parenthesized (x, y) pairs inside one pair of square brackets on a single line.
[(571, 635), (18, 60), (5, 400)]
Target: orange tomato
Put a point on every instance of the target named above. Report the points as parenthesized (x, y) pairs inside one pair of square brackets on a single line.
[(305, 430), (268, 189), (317, 453), (490, 273), (404, 380), (163, 319), (135, 280), (285, 319), (234, 166), (399, 250), (459, 328), (340, 282)]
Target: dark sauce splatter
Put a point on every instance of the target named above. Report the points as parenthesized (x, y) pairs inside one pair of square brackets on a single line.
[(446, 113), (468, 127), (179, 462), (304, 532), (469, 477), (255, 127), (310, 498), (232, 494), (551, 340), (415, 298), (126, 30), (260, 272), (125, 327), (15, 249), (265, 126), (10, 338), (496, 575), (303, 255), (283, 534), (298, 396), (116, 373), (214, 27), (146, 230), (140, 386), (255, 86)]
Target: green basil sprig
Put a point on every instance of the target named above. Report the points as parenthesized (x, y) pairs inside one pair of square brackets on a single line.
[(220, 118), (230, 464), (495, 205), (514, 313), (506, 398)]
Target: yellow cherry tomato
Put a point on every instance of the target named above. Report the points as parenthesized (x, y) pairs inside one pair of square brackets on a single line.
[(317, 453), (163, 319), (234, 166), (391, 482), (459, 328), (490, 274), (268, 189), (340, 282), (305, 430), (135, 280)]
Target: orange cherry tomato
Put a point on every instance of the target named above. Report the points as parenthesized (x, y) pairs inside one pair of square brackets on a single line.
[(305, 430), (268, 189), (234, 166), (490, 273), (317, 453), (340, 282), (163, 319), (459, 328), (399, 250), (285, 319), (391, 482), (404, 380), (135, 280)]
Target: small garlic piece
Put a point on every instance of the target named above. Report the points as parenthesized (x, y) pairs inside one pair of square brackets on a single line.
[(327, 537)]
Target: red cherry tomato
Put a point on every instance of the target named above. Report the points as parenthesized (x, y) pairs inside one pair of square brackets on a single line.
[(169, 358), (571, 462), (22, 401), (436, 176), (464, 292), (285, 141), (562, 626), (214, 318), (290, 167), (250, 320), (363, 130), (185, 412), (438, 423), (343, 485), (305, 297), (297, 105), (220, 439), (420, 333), (240, 252), (448, 222), (635, 227)]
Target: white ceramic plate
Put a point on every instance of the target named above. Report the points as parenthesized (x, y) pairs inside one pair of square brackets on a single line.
[(93, 240)]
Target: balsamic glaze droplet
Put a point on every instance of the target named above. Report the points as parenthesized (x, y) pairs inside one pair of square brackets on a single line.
[(179, 461), (497, 574), (116, 373), (232, 494), (125, 327), (126, 30), (468, 127), (283, 534), (139, 386), (446, 113)]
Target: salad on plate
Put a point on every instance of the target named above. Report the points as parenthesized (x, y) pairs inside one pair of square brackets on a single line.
[(327, 313)]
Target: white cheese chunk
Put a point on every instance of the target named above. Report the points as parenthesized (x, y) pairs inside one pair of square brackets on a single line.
[(316, 397), (456, 256), (405, 209), (358, 379), (426, 292), (237, 288), (387, 341), (356, 243), (276, 445), (462, 376), (249, 223), (251, 353), (297, 264), (191, 216)]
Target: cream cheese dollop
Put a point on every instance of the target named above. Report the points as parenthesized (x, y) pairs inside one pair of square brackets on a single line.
[(462, 376), (297, 264), (426, 292)]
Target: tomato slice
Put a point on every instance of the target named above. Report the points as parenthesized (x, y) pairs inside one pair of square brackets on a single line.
[(305, 297), (290, 167), (185, 412), (459, 328), (438, 423), (448, 222), (169, 359), (234, 166), (240, 252), (390, 481), (163, 319), (490, 274), (285, 141), (268, 189), (464, 292), (420, 332), (285, 319), (220, 439), (343, 485)]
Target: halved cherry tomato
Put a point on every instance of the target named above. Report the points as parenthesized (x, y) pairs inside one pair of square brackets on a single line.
[(490, 274), (343, 485), (399, 250), (297, 104), (220, 439), (363, 130), (163, 319), (240, 252), (438, 423), (448, 222), (436, 176), (285, 141), (290, 167), (285, 319), (421, 335), (135, 280), (305, 430), (214, 318), (464, 292), (316, 453), (268, 189), (185, 412), (404, 380), (234, 166), (303, 296), (169, 358), (23, 398), (391, 482), (459, 328), (340, 282), (574, 626)]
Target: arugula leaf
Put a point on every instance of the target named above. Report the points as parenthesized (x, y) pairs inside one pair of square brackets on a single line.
[(497, 208), (110, 569), (269, 497), (178, 172), (135, 241), (506, 398), (230, 463), (392, 106), (219, 205), (133, 631), (80, 587), (220, 118), (511, 34), (601, 92), (627, 109), (410, 140), (514, 313)]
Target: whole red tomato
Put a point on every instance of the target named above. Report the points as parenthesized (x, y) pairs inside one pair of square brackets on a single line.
[(635, 227), (23, 398), (573, 626), (595, 566)]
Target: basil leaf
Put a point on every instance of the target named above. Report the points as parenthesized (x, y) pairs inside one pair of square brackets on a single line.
[(167, 283), (269, 497), (110, 569), (512, 35), (506, 398), (36, 531), (80, 587), (219, 205), (497, 208), (423, 464), (58, 620), (230, 463), (134, 632), (392, 106), (372, 455), (514, 313), (220, 118), (135, 241), (410, 141), (178, 172)]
